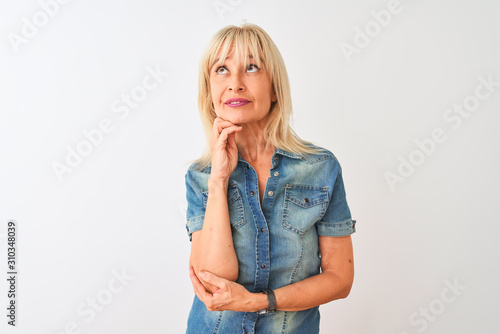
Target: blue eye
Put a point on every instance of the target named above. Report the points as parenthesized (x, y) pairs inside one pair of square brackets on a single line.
[(252, 68), (220, 68)]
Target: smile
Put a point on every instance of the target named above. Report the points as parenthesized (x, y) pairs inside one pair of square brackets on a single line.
[(236, 102)]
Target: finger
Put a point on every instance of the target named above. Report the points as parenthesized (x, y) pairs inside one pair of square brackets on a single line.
[(220, 124), (227, 131), (231, 129), (215, 280), (194, 280), (231, 140), (222, 121), (198, 288)]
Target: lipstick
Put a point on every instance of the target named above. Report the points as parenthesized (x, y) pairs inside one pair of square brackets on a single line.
[(237, 102)]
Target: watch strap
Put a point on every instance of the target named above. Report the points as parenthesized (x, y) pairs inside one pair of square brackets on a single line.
[(271, 302)]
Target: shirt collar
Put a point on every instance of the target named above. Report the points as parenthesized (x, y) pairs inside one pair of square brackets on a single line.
[(288, 154), (280, 152)]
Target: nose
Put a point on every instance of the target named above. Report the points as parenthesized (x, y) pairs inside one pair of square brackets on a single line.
[(236, 84)]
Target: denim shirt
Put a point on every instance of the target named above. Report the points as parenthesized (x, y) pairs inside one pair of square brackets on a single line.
[(277, 243)]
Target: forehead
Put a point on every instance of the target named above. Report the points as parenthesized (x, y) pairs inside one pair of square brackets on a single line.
[(236, 51)]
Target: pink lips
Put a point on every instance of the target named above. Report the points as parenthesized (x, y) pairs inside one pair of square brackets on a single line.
[(238, 102)]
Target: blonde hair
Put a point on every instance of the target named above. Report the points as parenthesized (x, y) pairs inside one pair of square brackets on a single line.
[(250, 39)]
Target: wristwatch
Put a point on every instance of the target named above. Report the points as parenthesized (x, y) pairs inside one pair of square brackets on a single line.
[(271, 302)]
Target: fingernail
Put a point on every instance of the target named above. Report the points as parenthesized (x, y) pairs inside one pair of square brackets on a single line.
[(202, 274)]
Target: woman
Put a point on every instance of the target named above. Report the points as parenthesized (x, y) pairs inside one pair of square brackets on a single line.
[(267, 212)]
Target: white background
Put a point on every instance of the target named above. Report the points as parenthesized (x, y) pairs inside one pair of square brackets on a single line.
[(122, 207)]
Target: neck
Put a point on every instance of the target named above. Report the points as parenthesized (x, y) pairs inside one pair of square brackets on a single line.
[(251, 143)]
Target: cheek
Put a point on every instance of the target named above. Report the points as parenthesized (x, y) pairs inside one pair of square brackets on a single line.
[(216, 95), (267, 97), (216, 101)]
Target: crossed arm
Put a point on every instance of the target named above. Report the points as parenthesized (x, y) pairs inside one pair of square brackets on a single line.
[(334, 282), (213, 264)]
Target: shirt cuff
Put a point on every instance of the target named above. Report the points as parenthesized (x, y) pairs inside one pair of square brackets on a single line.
[(341, 229), (194, 224)]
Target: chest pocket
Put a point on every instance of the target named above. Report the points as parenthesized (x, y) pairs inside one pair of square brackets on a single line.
[(304, 206), (234, 204)]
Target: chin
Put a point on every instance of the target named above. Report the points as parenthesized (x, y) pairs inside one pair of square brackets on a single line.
[(236, 120), (233, 117), (239, 116)]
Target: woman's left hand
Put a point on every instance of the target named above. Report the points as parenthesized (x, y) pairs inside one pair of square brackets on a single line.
[(229, 296)]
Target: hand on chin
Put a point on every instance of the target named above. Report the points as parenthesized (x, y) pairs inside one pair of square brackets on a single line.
[(233, 118)]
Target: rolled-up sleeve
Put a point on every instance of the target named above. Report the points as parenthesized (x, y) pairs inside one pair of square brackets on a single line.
[(337, 221), (195, 213)]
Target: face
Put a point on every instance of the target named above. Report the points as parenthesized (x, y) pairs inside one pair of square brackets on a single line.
[(241, 95)]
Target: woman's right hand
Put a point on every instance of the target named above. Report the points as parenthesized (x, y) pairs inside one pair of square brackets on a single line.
[(223, 148)]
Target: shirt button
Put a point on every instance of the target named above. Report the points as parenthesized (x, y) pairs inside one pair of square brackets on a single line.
[(248, 167), (252, 193), (270, 193), (263, 229), (263, 266), (276, 173)]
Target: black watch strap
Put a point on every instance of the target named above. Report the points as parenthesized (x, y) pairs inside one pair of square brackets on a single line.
[(271, 302)]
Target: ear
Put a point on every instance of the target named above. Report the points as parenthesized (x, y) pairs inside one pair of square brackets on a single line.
[(274, 98)]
